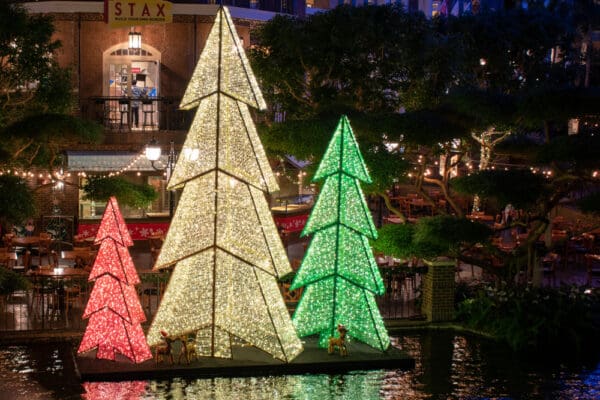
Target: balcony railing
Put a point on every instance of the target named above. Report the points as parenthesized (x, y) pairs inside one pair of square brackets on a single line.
[(153, 113)]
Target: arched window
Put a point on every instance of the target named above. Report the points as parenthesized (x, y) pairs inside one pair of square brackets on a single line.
[(131, 82), (122, 68)]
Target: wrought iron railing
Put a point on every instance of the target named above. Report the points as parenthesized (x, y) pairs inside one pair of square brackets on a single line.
[(122, 113), (58, 304), (52, 304)]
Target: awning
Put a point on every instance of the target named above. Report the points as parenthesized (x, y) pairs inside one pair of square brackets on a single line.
[(299, 164), (108, 161)]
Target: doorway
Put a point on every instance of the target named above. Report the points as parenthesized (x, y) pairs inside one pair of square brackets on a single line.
[(131, 84)]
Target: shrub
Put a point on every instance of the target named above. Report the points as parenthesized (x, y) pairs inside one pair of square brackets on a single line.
[(11, 281), (127, 193), (538, 319)]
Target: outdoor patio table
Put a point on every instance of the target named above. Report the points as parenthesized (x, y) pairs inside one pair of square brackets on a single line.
[(61, 272), (481, 217), (52, 281), (9, 258), (421, 204), (86, 257), (26, 241), (73, 254), (392, 220)]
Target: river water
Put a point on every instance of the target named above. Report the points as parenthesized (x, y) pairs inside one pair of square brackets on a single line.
[(448, 366)]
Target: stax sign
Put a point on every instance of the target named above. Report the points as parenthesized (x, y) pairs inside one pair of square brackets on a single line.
[(125, 13)]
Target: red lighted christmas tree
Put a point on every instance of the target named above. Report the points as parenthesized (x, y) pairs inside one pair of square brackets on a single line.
[(114, 310)]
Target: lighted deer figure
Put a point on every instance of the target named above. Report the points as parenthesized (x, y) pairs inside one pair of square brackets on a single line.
[(164, 350), (188, 349), (339, 342)]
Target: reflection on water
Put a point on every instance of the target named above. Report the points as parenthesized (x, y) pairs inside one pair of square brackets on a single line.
[(356, 385), (130, 390), (44, 371), (448, 366)]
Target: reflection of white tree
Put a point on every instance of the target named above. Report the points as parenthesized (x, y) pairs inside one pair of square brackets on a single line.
[(363, 385)]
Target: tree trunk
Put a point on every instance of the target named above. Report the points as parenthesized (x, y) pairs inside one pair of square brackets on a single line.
[(394, 210), (534, 267), (588, 57), (547, 131)]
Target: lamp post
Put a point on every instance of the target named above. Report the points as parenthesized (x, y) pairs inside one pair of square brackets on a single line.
[(153, 153), (135, 42)]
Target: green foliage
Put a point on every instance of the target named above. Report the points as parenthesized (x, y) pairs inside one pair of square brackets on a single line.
[(350, 58), (522, 148), (395, 240), (36, 94), (384, 166), (282, 138), (521, 188), (11, 281), (421, 83), (442, 235), (513, 43), (16, 200), (556, 104), (575, 151), (55, 92), (535, 318), (127, 193), (26, 48), (39, 139), (429, 127), (483, 108), (590, 203)]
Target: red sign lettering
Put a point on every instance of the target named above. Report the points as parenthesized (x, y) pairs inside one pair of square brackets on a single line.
[(160, 10)]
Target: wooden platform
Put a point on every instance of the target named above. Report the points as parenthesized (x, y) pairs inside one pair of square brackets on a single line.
[(246, 361)]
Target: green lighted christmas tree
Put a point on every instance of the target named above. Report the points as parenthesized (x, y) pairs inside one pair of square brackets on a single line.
[(339, 272), (222, 244)]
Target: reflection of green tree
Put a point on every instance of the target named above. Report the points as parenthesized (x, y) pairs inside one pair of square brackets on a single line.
[(364, 385)]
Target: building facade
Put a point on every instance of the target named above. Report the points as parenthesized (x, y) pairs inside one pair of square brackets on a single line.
[(133, 92)]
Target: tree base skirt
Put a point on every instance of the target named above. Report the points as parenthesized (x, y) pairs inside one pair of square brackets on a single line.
[(246, 361)]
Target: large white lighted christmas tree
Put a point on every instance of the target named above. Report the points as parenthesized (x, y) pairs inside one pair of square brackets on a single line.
[(339, 273), (222, 241)]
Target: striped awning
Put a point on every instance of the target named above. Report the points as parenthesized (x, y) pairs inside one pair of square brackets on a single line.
[(108, 161)]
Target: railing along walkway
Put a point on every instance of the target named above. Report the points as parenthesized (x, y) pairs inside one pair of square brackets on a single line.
[(48, 304)]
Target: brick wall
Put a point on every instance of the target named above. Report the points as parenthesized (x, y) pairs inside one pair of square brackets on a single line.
[(438, 290), (47, 196), (85, 37)]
